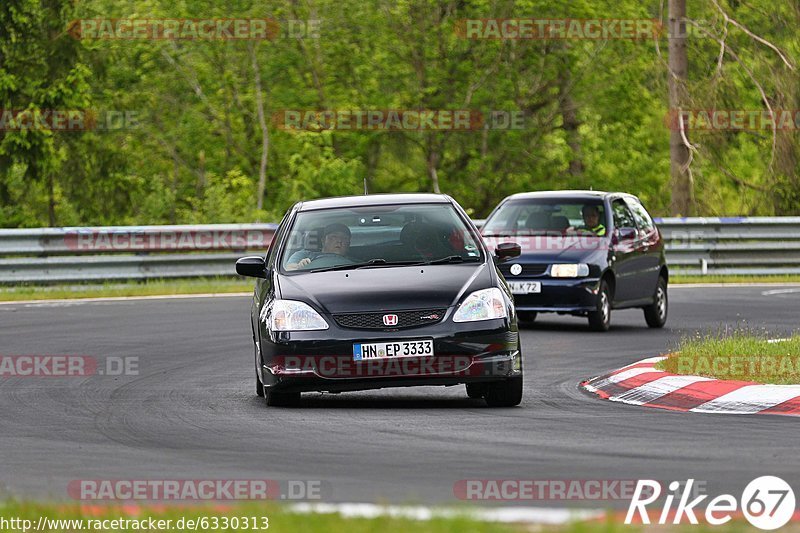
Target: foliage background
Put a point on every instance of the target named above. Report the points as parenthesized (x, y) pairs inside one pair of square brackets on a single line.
[(595, 110)]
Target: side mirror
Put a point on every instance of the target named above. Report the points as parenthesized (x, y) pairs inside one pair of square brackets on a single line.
[(253, 266), (507, 250), (624, 235)]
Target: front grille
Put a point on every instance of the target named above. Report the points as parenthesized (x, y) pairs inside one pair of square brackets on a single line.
[(532, 269), (405, 319)]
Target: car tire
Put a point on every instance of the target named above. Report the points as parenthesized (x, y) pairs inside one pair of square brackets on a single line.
[(506, 393), (526, 318), (476, 391), (281, 399), (600, 319), (656, 314), (259, 387)]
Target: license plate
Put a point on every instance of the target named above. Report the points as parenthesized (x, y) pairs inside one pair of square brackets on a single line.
[(387, 350), (525, 287)]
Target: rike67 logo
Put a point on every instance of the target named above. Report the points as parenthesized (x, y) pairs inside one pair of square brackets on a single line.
[(767, 502)]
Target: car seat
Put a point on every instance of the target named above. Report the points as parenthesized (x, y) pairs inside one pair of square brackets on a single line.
[(312, 240), (537, 221), (559, 223)]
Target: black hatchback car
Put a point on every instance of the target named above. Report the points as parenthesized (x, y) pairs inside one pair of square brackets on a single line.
[(381, 291), (583, 253)]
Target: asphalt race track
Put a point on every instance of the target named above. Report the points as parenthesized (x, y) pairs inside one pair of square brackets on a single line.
[(191, 413)]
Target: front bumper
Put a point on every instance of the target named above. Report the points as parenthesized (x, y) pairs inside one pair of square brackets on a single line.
[(565, 295), (323, 360)]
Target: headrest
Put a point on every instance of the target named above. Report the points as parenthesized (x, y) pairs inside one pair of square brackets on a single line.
[(312, 240)]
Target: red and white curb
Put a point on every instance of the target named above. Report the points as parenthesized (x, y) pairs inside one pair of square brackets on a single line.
[(643, 384)]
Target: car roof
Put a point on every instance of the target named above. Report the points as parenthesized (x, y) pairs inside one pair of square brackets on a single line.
[(374, 199), (576, 194)]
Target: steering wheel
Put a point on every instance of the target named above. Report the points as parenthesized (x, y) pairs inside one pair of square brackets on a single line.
[(329, 259)]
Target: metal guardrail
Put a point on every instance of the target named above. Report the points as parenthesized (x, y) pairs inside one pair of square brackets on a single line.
[(695, 246), (50, 255), (732, 245)]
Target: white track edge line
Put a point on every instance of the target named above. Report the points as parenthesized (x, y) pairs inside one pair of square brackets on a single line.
[(124, 298), (535, 515), (735, 285)]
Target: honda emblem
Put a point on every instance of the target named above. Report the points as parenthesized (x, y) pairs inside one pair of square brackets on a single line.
[(389, 320)]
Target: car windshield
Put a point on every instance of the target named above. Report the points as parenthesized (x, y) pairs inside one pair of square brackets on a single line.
[(549, 216), (378, 237)]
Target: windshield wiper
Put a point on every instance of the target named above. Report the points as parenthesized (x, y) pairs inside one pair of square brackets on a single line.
[(377, 262), (452, 259), (520, 233), (380, 262), (384, 262)]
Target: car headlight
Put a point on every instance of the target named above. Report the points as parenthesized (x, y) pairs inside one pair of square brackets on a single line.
[(289, 315), (569, 271), (484, 304)]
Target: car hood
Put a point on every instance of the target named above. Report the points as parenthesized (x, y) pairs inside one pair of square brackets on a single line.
[(387, 288)]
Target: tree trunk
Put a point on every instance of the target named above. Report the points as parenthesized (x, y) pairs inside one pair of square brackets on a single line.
[(201, 173), (786, 181), (262, 123), (373, 158), (51, 199), (173, 216), (786, 171), (570, 124), (433, 162), (682, 202)]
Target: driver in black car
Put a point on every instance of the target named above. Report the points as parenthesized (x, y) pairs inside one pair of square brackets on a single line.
[(335, 240)]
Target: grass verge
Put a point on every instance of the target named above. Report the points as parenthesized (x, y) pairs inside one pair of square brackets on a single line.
[(739, 356), (241, 517), (120, 289)]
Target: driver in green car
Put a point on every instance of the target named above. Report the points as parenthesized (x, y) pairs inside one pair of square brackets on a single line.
[(591, 220), (335, 240)]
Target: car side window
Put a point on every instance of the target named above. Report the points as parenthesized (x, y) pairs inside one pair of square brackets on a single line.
[(269, 257), (642, 217), (622, 215)]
